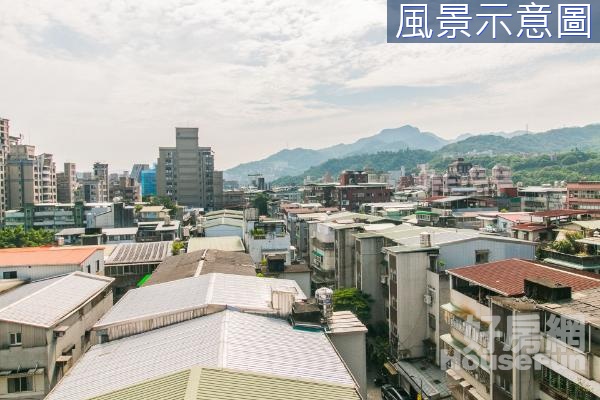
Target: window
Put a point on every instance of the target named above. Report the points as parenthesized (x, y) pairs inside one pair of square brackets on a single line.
[(97, 265), (89, 269), (21, 384), (15, 338), (9, 275), (482, 256), (431, 318)]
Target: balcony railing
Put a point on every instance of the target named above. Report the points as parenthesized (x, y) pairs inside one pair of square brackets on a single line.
[(583, 262)]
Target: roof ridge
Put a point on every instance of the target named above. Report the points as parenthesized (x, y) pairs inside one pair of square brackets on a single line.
[(35, 292)]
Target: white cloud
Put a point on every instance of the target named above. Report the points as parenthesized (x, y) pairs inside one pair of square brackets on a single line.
[(110, 79)]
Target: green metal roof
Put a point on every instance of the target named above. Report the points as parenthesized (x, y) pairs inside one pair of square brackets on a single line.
[(210, 383)]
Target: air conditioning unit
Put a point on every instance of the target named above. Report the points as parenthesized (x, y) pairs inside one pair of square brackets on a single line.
[(428, 300)]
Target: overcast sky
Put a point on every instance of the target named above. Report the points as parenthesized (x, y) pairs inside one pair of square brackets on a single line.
[(109, 80)]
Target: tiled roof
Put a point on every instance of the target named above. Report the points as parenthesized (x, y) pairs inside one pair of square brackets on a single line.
[(46, 255), (45, 303), (201, 263), (507, 277), (558, 213), (228, 339), (531, 227)]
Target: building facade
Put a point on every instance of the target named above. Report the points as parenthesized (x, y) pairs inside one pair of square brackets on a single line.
[(185, 173), (67, 184), (584, 196)]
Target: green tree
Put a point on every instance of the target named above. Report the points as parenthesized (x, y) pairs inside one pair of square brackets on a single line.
[(260, 202), (11, 237), (177, 247), (352, 299)]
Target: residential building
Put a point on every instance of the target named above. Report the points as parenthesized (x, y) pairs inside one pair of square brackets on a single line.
[(148, 182), (185, 173), (234, 199), (136, 171), (67, 185), (266, 236), (128, 263), (4, 152), (96, 236), (542, 198), (35, 263), (46, 327), (502, 313), (218, 190), (31, 178), (125, 189), (584, 196)]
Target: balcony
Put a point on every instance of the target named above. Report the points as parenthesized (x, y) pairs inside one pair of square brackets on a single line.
[(322, 245), (584, 262)]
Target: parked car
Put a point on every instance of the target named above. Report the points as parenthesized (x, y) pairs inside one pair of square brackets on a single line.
[(390, 392)]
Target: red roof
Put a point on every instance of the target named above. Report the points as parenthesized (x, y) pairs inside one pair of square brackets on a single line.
[(507, 277), (46, 255), (558, 213), (311, 210), (532, 227)]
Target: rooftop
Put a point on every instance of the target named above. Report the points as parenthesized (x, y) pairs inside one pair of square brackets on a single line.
[(227, 339), (224, 243), (249, 293), (507, 277), (558, 213), (584, 304), (344, 322), (133, 253), (45, 303), (222, 221), (153, 209), (531, 227), (202, 262), (46, 255), (199, 383)]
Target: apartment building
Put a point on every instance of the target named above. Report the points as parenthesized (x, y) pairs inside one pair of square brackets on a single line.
[(185, 173), (67, 184), (45, 327), (136, 171), (4, 149), (542, 198), (125, 189), (31, 178), (505, 315), (584, 196)]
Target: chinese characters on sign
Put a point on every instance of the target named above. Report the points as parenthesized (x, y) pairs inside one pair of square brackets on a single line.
[(514, 21)]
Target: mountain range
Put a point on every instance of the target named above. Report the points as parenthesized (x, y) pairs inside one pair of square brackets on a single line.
[(293, 162)]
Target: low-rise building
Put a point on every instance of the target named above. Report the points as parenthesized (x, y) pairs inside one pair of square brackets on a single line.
[(45, 328), (129, 263), (497, 331), (34, 263), (542, 198)]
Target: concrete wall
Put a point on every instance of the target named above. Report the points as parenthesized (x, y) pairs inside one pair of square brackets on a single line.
[(352, 347), (461, 254), (369, 270)]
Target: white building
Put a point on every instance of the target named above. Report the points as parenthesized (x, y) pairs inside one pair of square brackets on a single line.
[(39, 263)]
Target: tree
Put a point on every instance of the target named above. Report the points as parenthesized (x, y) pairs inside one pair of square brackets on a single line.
[(177, 247), (352, 299), (261, 201), (11, 237)]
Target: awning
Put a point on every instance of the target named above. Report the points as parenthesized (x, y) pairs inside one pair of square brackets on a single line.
[(461, 348), (390, 368), (63, 359), (574, 377)]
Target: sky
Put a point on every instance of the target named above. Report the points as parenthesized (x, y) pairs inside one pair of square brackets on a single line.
[(110, 80)]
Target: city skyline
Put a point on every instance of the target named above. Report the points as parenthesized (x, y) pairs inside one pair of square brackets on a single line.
[(312, 76)]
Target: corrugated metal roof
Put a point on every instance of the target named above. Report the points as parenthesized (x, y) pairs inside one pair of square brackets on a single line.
[(129, 253), (222, 221), (229, 339), (46, 306), (46, 255), (225, 243), (243, 292)]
